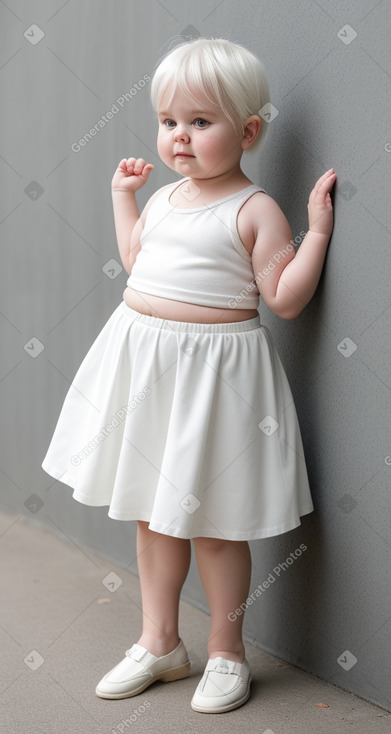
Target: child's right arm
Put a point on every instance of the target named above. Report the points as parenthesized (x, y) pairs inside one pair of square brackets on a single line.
[(130, 176)]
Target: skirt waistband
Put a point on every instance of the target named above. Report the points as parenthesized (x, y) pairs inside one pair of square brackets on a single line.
[(188, 326)]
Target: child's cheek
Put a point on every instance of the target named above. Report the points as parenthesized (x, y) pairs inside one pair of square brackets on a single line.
[(211, 145), (162, 144)]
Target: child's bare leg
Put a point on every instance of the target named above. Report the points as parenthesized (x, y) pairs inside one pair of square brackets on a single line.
[(163, 563), (225, 570)]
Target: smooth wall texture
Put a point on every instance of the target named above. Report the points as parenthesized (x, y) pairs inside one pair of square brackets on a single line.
[(320, 595)]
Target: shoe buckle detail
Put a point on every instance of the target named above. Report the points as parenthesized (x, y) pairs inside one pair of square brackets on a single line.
[(136, 652), (226, 666)]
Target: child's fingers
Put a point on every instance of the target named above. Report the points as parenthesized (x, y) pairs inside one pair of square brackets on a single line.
[(327, 173), (143, 169), (122, 165), (322, 188), (137, 165), (127, 164), (147, 169), (326, 181), (129, 167)]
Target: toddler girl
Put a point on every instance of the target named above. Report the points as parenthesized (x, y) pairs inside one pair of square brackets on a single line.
[(180, 416)]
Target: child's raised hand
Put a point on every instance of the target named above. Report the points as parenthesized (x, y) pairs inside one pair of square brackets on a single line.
[(320, 207), (131, 174)]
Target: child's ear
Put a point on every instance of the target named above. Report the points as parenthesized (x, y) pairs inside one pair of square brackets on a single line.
[(252, 128)]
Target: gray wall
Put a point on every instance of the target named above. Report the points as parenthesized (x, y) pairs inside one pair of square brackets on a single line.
[(332, 91)]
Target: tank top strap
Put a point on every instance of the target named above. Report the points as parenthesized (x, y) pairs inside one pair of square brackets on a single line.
[(247, 194), (237, 242)]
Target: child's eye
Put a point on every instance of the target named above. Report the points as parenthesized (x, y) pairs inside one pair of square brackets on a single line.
[(200, 122), (169, 123)]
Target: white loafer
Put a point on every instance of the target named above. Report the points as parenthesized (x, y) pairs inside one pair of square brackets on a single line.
[(140, 668), (224, 686)]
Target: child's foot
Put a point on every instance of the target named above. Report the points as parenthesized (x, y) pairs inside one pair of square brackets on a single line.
[(140, 668), (159, 646), (224, 686)]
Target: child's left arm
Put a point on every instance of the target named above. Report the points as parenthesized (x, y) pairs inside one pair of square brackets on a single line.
[(287, 281)]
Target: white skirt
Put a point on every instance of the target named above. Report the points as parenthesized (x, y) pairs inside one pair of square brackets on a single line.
[(190, 427)]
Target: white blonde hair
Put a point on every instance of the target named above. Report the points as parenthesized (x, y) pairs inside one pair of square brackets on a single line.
[(229, 75)]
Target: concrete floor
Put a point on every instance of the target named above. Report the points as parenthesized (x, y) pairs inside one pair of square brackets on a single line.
[(62, 629)]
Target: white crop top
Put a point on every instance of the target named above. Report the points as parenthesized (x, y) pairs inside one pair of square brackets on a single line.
[(196, 255)]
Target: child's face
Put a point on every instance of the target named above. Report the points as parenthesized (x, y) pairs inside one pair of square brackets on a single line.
[(196, 139)]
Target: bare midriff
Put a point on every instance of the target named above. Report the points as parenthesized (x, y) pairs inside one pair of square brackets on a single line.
[(166, 308)]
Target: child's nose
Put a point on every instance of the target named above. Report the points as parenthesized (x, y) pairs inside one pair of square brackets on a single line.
[(181, 134)]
